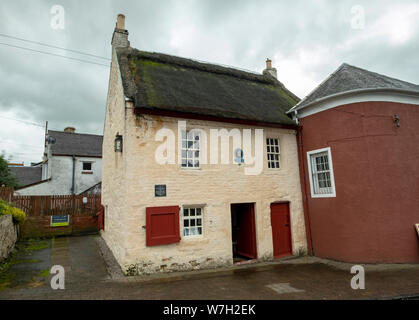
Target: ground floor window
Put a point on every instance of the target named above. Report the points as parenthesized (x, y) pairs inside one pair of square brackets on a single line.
[(192, 221)]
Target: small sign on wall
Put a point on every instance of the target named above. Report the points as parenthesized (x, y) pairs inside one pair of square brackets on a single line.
[(417, 228), (60, 221), (160, 190)]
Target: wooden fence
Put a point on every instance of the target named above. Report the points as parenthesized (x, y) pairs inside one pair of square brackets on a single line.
[(35, 206), (6, 193), (58, 205)]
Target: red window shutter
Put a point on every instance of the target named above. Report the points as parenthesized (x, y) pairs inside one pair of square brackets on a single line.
[(162, 225)]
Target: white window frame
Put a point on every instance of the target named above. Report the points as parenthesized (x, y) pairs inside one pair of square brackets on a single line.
[(332, 177), (91, 166), (273, 153), (189, 207), (194, 149)]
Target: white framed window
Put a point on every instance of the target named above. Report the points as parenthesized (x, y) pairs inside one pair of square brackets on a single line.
[(190, 149), (273, 154), (192, 221), (320, 167)]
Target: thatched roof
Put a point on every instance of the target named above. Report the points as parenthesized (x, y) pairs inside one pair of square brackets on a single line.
[(78, 144), (157, 81), (348, 78)]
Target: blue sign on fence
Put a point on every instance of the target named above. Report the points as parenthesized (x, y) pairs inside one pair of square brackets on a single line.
[(60, 221)]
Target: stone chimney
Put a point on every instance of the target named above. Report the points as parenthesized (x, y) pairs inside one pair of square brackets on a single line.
[(269, 70), (70, 129), (120, 34)]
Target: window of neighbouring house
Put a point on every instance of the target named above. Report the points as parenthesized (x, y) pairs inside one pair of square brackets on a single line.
[(192, 221), (190, 149), (321, 173), (272, 148), (87, 166)]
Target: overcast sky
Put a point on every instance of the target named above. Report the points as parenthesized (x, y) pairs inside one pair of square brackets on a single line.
[(307, 40)]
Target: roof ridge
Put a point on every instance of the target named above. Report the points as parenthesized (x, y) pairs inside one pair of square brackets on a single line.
[(203, 66), (73, 133)]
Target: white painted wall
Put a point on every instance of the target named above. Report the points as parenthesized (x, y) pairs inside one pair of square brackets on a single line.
[(60, 170)]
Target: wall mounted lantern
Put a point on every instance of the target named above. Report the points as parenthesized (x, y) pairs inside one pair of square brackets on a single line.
[(118, 143)]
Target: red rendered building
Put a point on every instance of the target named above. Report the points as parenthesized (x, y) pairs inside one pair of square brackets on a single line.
[(359, 161)]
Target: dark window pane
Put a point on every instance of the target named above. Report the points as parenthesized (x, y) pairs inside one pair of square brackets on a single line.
[(186, 223), (87, 166), (199, 222)]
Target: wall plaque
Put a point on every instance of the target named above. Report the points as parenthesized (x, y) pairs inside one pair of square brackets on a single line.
[(160, 190)]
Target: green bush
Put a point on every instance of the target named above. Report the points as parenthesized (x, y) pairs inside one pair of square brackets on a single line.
[(6, 208)]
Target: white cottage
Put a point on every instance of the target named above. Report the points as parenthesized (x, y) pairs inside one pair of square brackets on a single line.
[(200, 164), (72, 164)]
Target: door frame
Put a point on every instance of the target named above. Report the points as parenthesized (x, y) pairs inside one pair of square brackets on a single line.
[(254, 228), (288, 203)]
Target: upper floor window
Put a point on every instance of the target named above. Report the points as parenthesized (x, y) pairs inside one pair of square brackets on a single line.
[(321, 173), (272, 146), (190, 149), (87, 166)]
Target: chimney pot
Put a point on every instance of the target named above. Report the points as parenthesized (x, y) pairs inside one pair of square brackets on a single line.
[(120, 22), (269, 70), (120, 34), (70, 129)]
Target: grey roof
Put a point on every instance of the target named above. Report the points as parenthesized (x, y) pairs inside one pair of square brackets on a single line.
[(78, 144), (162, 82), (26, 175), (349, 78)]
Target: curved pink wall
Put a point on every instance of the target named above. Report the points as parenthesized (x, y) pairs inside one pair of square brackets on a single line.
[(376, 168)]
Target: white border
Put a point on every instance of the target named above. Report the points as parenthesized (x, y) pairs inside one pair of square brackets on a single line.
[(332, 176)]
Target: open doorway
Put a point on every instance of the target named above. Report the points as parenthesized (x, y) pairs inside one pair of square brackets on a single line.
[(243, 231)]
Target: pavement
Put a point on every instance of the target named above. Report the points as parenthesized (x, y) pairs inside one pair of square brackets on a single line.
[(91, 272)]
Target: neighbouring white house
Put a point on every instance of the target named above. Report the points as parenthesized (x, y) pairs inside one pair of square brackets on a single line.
[(72, 164), (200, 164)]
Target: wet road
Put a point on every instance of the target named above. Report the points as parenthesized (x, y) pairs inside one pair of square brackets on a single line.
[(88, 276)]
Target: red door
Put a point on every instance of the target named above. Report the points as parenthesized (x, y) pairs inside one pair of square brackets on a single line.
[(281, 230), (246, 237)]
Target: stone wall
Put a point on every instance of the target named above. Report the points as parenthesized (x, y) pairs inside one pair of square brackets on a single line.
[(8, 236)]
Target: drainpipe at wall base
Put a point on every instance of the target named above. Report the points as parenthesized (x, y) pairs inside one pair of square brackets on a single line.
[(303, 189), (74, 172)]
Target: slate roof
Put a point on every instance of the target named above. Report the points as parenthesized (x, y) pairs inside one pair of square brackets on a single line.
[(26, 175), (158, 81), (349, 78), (78, 144)]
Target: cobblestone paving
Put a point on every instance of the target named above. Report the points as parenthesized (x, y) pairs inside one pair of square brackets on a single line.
[(89, 277)]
